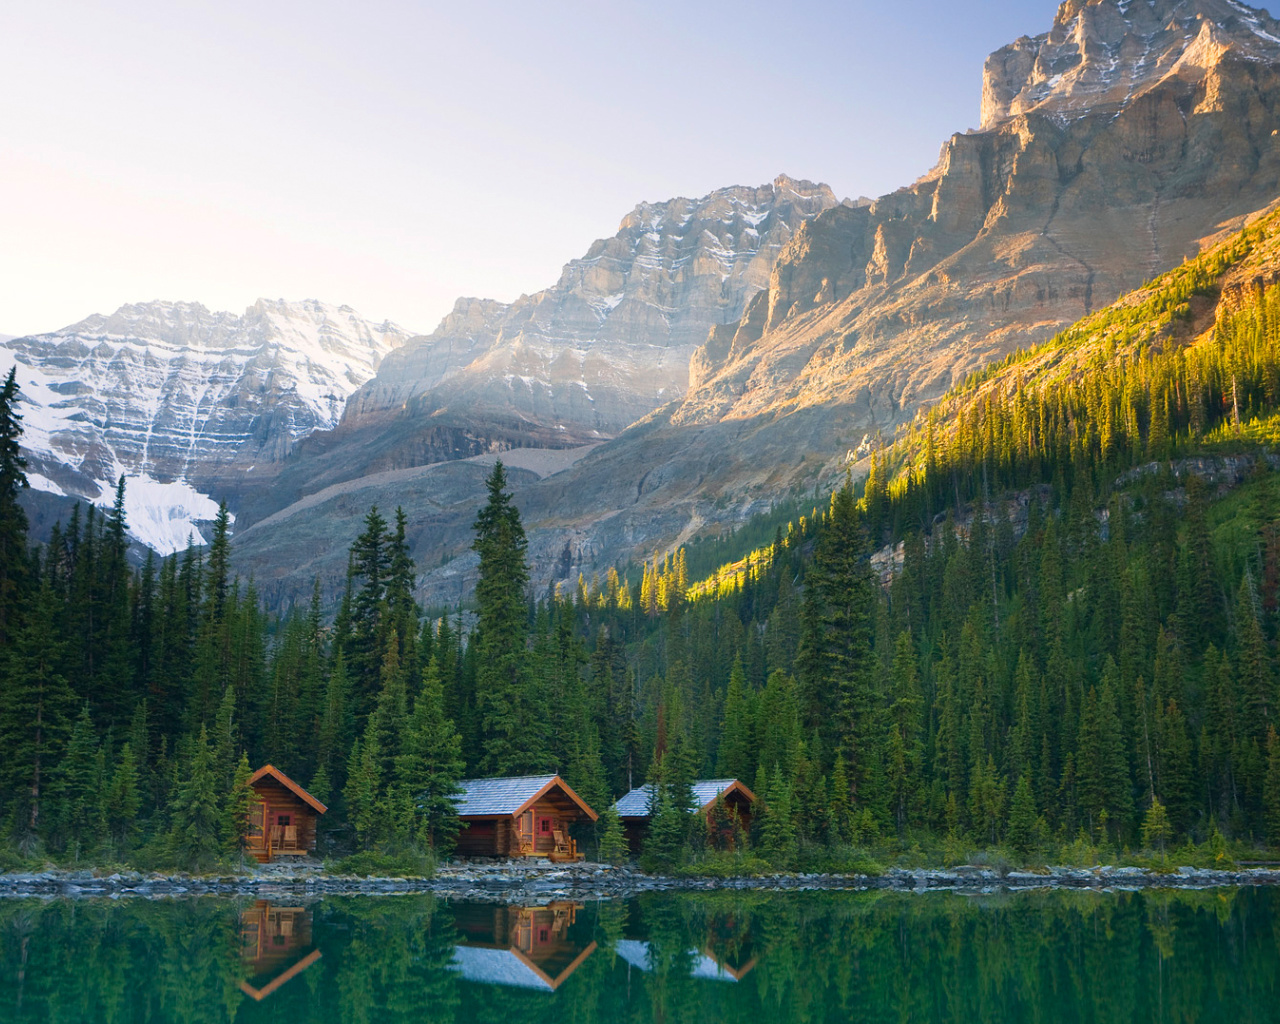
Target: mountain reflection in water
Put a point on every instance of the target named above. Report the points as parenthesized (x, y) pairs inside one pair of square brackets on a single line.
[(729, 956)]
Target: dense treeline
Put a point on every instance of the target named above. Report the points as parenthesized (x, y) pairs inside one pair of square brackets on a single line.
[(1069, 644)]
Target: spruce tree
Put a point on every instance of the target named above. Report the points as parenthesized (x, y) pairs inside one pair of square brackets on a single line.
[(613, 841), (239, 807), (735, 759), (511, 723), (1022, 817), (123, 800), (36, 708), (431, 765), (14, 562), (197, 823)]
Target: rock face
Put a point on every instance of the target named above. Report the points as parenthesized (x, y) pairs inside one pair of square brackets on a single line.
[(1100, 55), (185, 401), (573, 364), (1111, 147), (611, 340)]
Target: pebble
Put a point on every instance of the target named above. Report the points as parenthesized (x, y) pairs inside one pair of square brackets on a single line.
[(540, 881)]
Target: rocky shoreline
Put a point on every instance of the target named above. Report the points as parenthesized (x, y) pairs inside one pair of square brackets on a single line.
[(543, 882)]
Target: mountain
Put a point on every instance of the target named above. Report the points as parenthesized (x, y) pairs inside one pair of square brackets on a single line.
[(575, 363), (1112, 147), (184, 401)]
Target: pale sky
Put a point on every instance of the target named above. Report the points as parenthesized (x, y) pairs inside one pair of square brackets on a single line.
[(394, 155)]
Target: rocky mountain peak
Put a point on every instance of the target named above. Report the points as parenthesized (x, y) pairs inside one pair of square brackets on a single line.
[(184, 401), (1105, 53)]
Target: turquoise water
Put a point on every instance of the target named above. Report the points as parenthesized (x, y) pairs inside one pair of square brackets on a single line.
[(1052, 956)]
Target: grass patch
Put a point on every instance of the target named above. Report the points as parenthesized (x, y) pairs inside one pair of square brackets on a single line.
[(370, 863)]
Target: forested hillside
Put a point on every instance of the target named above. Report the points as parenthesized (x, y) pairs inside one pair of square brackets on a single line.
[(1065, 645)]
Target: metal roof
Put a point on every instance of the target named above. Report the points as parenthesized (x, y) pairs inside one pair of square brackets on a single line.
[(481, 797), (701, 965), (499, 796), (636, 803), (497, 967)]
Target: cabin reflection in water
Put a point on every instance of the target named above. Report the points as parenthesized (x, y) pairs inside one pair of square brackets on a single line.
[(275, 946), (521, 947), (709, 964)]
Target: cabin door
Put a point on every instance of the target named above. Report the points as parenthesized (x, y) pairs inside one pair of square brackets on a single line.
[(545, 840), (526, 833)]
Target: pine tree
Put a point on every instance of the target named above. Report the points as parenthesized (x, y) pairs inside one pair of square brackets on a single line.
[(196, 811), (904, 753), (778, 831), (1271, 794), (36, 706), (735, 731), (613, 841), (239, 807), (14, 567), (511, 722), (1023, 817), (363, 791), (123, 800), (1156, 830), (431, 766)]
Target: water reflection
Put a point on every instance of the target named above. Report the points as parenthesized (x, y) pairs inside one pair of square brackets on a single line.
[(521, 947), (275, 946), (702, 963), (800, 958)]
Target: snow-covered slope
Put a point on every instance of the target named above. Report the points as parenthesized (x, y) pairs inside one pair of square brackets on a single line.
[(183, 401)]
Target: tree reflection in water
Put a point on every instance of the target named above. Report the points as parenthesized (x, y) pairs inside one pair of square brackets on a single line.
[(1063, 956)]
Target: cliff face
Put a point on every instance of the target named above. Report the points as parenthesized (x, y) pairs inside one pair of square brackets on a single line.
[(611, 340), (1111, 146), (570, 365)]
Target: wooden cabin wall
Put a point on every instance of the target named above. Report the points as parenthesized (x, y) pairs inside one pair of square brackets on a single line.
[(478, 839), (281, 800)]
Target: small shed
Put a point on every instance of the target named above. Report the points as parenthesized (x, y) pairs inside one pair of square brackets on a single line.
[(633, 808), (282, 820), (528, 816)]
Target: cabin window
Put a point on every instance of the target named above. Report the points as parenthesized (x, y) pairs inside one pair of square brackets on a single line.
[(544, 935), (544, 826), (283, 819)]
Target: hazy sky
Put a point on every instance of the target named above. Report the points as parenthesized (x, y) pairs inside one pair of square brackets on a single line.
[(395, 154)]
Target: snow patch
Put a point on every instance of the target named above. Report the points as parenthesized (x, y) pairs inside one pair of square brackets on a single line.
[(163, 516)]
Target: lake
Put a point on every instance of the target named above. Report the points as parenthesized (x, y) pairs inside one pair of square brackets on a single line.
[(1176, 955)]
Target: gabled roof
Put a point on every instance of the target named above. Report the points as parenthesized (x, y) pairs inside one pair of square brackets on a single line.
[(498, 967), (701, 965), (495, 797), (288, 784), (636, 803), (510, 967)]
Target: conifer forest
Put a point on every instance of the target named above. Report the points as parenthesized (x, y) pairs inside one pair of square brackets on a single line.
[(1044, 626)]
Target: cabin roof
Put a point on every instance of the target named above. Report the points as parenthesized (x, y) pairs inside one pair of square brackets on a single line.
[(498, 967), (288, 784), (480, 797), (701, 965), (636, 803)]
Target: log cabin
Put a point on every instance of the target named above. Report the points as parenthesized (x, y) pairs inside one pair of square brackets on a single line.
[(282, 820), (529, 816), (633, 808)]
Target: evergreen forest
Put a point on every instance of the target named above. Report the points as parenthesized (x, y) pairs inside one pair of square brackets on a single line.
[(1043, 629)]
